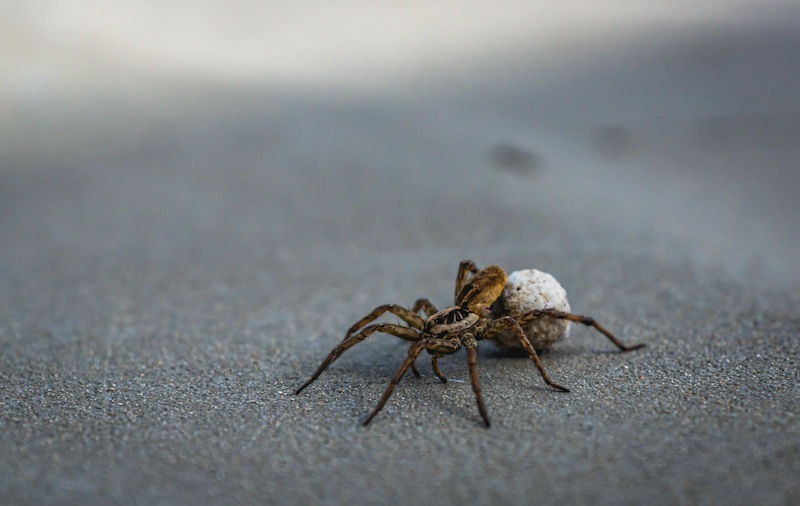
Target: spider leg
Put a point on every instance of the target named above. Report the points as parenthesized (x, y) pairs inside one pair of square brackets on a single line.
[(425, 305), (507, 322), (585, 320), (388, 328), (436, 371), (472, 360), (413, 353), (410, 317), (465, 268)]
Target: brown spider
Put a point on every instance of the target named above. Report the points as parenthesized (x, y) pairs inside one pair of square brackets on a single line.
[(444, 332)]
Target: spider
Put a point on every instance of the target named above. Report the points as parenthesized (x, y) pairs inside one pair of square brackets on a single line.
[(443, 332)]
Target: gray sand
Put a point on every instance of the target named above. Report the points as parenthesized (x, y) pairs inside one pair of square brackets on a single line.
[(176, 261)]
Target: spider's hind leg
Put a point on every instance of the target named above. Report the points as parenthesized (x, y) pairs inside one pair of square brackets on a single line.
[(585, 320), (508, 323)]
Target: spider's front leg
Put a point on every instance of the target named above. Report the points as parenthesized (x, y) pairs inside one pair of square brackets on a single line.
[(536, 314), (472, 360), (436, 370), (508, 323), (425, 305), (409, 316), (435, 345), (350, 341), (465, 268), (413, 353)]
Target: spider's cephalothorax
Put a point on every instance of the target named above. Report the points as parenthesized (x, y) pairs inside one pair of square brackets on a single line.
[(443, 332)]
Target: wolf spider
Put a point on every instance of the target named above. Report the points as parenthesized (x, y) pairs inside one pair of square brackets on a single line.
[(444, 332)]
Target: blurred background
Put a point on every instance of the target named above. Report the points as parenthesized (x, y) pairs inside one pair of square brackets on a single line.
[(675, 120)]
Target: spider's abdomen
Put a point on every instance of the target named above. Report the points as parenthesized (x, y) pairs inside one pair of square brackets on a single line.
[(450, 321)]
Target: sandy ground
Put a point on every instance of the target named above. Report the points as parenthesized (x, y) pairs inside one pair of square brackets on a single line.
[(180, 249)]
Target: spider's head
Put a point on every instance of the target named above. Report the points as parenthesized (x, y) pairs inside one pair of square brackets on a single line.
[(482, 290)]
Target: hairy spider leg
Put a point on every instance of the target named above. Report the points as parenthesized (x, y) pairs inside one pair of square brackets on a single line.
[(410, 317), (507, 322), (406, 333), (425, 305), (585, 320), (465, 268), (413, 353), (436, 345), (428, 309), (472, 360), (436, 371)]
